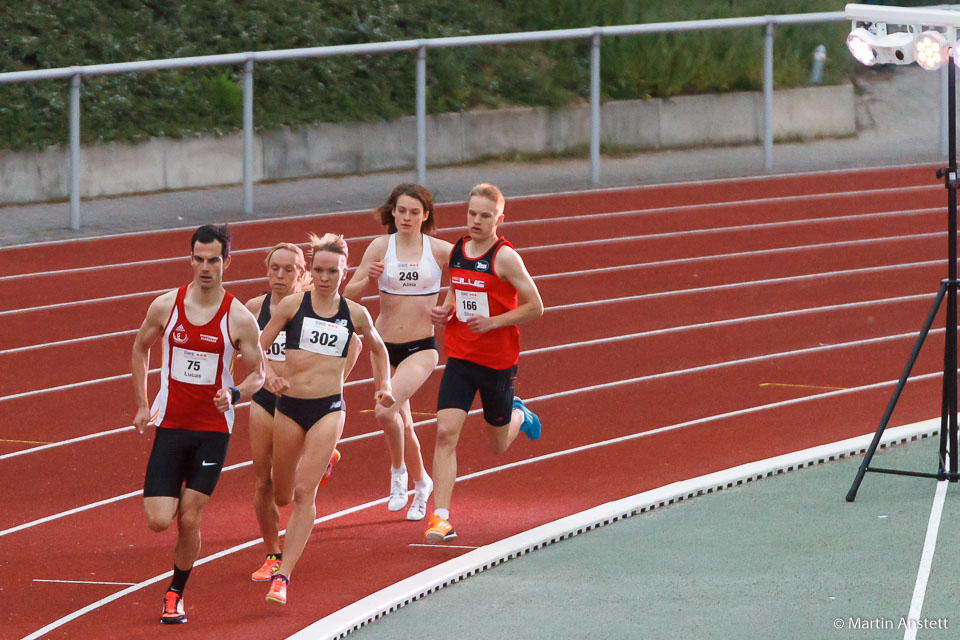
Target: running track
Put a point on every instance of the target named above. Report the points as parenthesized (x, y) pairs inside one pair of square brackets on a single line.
[(689, 328)]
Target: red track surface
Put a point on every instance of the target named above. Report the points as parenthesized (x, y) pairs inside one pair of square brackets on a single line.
[(731, 312)]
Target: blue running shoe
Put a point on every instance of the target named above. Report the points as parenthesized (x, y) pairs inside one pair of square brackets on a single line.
[(531, 423)]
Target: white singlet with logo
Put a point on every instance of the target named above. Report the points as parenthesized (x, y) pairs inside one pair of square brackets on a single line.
[(410, 278), (278, 350), (325, 338), (193, 367), (471, 303)]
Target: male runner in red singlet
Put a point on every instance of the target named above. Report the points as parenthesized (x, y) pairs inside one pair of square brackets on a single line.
[(202, 327), (490, 294)]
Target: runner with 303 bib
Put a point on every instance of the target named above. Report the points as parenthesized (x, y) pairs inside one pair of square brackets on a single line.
[(310, 411), (406, 265), (202, 327), (287, 274), (490, 294)]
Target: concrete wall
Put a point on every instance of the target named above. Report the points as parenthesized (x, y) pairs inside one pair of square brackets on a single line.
[(452, 138)]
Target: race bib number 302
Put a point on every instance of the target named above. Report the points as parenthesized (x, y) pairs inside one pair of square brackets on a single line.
[(471, 303), (194, 367), (325, 338)]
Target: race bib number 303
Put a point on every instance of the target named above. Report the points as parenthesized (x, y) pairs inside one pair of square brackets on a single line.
[(325, 338), (194, 367), (471, 303), (278, 350)]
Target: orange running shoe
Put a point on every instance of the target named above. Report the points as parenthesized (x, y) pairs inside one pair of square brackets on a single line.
[(173, 609), (278, 589), (266, 571), (440, 530), (334, 459)]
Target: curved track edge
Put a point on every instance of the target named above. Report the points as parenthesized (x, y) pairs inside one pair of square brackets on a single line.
[(373, 607)]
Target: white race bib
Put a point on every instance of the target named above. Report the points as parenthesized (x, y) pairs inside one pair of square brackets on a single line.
[(471, 303), (194, 367), (278, 350), (325, 338), (405, 277)]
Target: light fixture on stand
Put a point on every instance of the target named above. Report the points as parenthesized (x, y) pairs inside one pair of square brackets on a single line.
[(932, 35)]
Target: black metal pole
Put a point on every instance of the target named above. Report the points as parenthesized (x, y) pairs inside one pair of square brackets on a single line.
[(852, 493)]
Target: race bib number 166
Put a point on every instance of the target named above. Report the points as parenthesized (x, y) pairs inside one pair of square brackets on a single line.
[(472, 303)]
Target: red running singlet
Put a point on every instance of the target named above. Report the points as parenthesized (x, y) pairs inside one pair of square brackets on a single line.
[(197, 361), (478, 290)]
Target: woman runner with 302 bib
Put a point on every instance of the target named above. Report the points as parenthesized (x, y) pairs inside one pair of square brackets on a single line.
[(406, 265), (310, 410), (286, 274), (490, 294)]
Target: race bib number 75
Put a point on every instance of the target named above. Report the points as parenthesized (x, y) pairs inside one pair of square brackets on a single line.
[(194, 367)]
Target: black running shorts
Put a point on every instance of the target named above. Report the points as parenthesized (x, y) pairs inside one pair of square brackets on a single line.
[(184, 458), (462, 380)]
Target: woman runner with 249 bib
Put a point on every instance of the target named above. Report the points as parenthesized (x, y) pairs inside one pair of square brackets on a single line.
[(406, 266)]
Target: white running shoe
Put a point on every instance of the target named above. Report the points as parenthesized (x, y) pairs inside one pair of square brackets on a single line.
[(398, 491), (418, 508)]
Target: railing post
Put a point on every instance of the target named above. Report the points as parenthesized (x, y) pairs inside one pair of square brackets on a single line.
[(248, 136), (75, 82), (768, 96), (595, 106), (421, 114)]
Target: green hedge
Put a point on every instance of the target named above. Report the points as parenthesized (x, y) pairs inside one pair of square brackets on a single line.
[(61, 33)]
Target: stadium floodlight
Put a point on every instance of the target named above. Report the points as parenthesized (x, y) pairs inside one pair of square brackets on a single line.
[(874, 45), (933, 34), (932, 50)]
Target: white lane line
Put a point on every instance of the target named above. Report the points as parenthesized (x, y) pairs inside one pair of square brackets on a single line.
[(441, 546), (95, 505), (246, 545), (123, 296), (579, 272), (532, 196), (63, 443), (581, 344), (802, 276), (570, 392), (926, 561), (60, 343), (560, 245), (832, 307), (526, 250), (576, 305), (84, 582), (571, 218), (202, 561)]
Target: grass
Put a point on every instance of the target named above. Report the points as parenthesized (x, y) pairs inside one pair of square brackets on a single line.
[(132, 107)]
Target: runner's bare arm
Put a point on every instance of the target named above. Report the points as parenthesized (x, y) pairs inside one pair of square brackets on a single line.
[(509, 266), (371, 266), (246, 336), (379, 360), (255, 304), (441, 251), (278, 319), (152, 326)]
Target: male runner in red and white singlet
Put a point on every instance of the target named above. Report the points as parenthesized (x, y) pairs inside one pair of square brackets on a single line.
[(490, 294), (202, 327)]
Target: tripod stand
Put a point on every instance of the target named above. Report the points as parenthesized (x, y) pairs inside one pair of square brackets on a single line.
[(948, 287)]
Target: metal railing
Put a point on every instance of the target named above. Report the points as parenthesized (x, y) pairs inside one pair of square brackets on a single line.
[(248, 60)]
